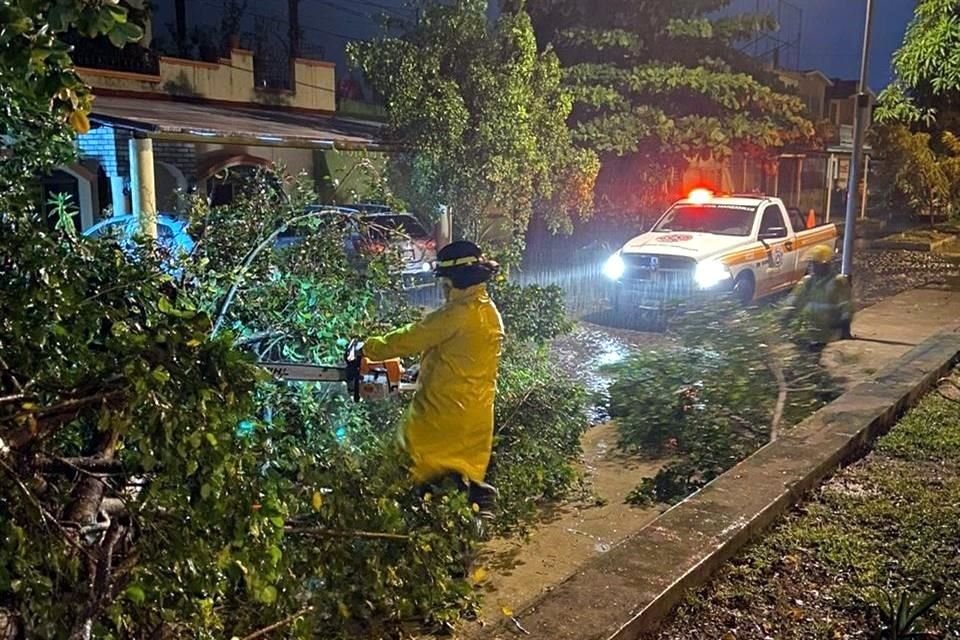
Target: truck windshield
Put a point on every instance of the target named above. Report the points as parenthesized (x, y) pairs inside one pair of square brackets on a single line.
[(725, 220)]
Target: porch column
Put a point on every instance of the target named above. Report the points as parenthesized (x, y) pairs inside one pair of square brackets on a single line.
[(117, 196), (142, 187)]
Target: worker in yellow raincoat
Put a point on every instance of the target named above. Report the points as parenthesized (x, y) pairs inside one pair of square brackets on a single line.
[(448, 427), (823, 300)]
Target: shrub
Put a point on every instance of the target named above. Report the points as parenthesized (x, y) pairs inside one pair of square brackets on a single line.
[(540, 417), (533, 312), (731, 385)]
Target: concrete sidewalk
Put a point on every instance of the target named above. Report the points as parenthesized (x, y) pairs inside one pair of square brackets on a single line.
[(887, 330), (628, 588)]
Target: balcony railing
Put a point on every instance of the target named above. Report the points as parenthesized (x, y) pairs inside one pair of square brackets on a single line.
[(101, 54)]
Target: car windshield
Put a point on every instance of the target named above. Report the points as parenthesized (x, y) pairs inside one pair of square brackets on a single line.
[(725, 220), (407, 225)]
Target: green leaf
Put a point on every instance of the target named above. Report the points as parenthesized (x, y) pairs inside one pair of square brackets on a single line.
[(205, 491), (267, 595), (275, 554), (135, 594), (123, 33)]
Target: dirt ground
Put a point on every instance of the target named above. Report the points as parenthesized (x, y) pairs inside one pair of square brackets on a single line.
[(520, 569)]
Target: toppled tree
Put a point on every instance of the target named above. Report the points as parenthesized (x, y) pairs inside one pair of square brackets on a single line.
[(484, 115), (658, 84), (733, 381), (153, 482)]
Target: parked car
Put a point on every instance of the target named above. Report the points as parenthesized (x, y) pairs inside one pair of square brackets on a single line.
[(171, 231), (377, 229)]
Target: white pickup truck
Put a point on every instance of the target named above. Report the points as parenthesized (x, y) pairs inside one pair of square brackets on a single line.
[(707, 244)]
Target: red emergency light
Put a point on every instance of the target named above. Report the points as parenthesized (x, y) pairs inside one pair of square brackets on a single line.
[(700, 196)]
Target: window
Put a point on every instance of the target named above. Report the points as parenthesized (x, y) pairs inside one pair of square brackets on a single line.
[(726, 220), (772, 224)]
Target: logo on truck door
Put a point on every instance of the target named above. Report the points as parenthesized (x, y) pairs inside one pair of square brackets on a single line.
[(778, 256)]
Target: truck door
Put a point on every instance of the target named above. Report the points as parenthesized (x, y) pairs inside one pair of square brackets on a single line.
[(781, 251)]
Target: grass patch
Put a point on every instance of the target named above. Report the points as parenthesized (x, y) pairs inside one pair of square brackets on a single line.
[(919, 236), (891, 521)]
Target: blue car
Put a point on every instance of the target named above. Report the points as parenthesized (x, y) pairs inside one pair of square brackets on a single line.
[(171, 232)]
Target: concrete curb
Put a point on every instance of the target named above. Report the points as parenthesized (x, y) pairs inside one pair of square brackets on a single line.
[(631, 589)]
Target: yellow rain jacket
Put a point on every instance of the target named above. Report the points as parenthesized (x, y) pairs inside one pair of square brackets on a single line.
[(825, 304), (448, 427)]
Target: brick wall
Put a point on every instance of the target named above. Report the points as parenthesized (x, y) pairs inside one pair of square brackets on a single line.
[(182, 155), (100, 144)]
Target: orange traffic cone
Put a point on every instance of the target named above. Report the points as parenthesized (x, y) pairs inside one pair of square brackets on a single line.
[(811, 219)]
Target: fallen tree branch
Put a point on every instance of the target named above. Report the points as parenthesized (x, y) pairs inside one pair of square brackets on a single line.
[(252, 255), (340, 533), (774, 365), (278, 625), (46, 420), (45, 516), (84, 465), (259, 337)]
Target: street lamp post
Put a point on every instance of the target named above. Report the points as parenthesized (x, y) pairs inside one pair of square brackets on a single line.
[(856, 160)]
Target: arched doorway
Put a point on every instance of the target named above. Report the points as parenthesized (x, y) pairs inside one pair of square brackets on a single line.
[(224, 177), (170, 185)]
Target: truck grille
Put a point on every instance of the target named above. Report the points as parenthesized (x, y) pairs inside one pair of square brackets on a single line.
[(653, 268)]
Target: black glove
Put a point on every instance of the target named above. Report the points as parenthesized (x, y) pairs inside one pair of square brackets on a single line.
[(354, 351), (353, 357)]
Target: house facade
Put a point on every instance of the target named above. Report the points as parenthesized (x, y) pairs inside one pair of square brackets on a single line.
[(164, 127), (817, 178)]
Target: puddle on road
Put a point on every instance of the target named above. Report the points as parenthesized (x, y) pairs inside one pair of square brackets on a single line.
[(588, 348)]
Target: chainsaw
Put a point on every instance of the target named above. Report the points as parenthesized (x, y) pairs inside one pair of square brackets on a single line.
[(366, 380)]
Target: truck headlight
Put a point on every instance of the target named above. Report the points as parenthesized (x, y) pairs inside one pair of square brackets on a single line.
[(614, 267), (711, 273)]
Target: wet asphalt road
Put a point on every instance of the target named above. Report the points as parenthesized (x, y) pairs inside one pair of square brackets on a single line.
[(878, 274)]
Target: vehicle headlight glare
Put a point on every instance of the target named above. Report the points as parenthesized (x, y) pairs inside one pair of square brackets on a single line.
[(614, 267), (711, 273)]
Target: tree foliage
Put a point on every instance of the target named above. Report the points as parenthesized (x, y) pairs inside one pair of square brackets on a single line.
[(484, 115), (927, 67), (919, 171), (734, 384), (658, 84), (154, 483), (38, 85)]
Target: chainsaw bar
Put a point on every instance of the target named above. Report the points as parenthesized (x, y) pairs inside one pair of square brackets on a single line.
[(307, 372)]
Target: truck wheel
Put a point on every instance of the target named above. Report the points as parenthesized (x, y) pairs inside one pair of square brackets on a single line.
[(744, 288)]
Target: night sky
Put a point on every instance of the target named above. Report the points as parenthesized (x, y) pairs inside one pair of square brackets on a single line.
[(833, 34), (831, 30)]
